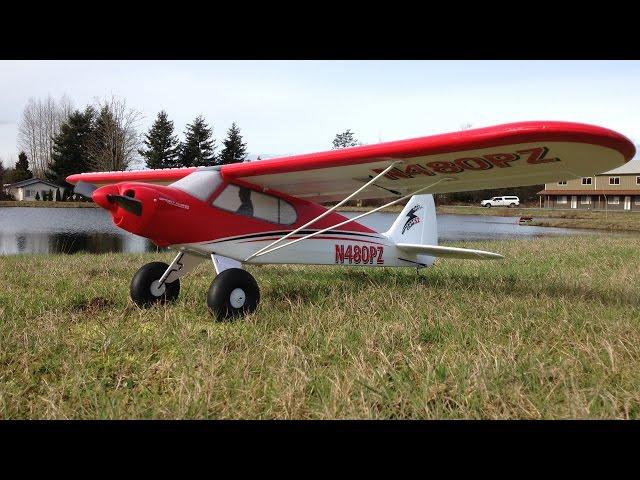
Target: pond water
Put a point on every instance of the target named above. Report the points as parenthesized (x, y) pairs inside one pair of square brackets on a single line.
[(71, 230)]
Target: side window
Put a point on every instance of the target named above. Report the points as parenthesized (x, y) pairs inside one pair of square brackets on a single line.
[(246, 202)]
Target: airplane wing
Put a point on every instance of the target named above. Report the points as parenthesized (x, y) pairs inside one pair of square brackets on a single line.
[(510, 155), (160, 176)]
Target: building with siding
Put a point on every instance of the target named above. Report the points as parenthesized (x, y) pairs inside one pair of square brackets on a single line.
[(617, 189), (26, 190)]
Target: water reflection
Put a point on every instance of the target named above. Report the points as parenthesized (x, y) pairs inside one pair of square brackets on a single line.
[(85, 242), (61, 230)]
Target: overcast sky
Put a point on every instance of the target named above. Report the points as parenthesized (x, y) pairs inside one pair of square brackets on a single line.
[(286, 107)]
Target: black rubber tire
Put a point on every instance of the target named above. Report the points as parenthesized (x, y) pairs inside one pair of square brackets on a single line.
[(511, 205), (488, 205), (219, 294), (140, 288)]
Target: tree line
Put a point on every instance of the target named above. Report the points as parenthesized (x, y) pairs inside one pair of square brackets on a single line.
[(57, 140), (163, 150), (61, 140)]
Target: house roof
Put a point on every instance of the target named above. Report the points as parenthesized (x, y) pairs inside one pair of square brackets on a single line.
[(632, 166), (589, 192), (30, 181)]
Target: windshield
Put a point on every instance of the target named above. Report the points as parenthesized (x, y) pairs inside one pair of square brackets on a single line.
[(200, 183)]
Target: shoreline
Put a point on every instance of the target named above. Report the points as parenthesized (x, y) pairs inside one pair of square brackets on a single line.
[(618, 221), (46, 204)]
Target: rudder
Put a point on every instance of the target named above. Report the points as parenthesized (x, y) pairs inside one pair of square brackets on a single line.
[(416, 223)]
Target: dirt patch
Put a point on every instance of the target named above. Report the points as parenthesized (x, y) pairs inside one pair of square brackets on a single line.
[(94, 305)]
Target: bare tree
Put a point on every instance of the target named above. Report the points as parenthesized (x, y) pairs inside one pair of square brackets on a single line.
[(115, 140), (41, 120)]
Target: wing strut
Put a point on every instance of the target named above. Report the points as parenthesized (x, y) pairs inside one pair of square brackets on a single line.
[(327, 212), (267, 249)]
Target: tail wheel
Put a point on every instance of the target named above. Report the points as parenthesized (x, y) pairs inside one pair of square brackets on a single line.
[(145, 286), (233, 293)]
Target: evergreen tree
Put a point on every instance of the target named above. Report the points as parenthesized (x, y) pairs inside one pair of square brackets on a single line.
[(58, 198), (234, 150), (345, 139), (22, 171), (3, 196), (37, 195), (161, 145), (199, 147), (71, 147)]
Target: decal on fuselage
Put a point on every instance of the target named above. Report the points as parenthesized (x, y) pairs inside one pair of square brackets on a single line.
[(359, 255), (485, 162), (174, 203), (412, 218)]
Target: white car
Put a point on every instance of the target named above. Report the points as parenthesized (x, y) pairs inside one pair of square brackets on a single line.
[(501, 202)]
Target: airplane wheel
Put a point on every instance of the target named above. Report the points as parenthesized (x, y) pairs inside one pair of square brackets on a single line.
[(234, 292), (144, 285)]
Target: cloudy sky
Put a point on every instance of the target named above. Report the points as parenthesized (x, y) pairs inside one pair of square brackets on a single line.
[(286, 107)]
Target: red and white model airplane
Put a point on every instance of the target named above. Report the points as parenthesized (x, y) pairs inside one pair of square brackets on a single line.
[(269, 212)]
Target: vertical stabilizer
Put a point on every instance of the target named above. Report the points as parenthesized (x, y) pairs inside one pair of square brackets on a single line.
[(416, 225)]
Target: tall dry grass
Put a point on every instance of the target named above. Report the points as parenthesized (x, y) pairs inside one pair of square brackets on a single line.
[(551, 332)]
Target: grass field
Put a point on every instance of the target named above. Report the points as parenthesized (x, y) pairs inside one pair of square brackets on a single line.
[(551, 332)]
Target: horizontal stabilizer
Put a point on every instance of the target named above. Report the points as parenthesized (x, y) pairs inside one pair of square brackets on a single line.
[(450, 252)]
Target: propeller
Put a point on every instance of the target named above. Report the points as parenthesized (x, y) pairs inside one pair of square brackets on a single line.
[(85, 189), (129, 204)]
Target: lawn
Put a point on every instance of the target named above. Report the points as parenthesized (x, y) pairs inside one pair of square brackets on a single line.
[(553, 331)]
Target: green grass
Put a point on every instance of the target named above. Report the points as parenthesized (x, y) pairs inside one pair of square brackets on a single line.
[(551, 332)]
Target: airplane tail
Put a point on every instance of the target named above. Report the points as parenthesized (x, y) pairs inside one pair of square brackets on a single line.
[(417, 222), (416, 225), (416, 232)]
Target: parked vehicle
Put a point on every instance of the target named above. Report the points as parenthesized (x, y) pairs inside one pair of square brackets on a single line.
[(501, 202)]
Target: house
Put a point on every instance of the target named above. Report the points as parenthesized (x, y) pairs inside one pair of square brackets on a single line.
[(617, 189), (27, 189)]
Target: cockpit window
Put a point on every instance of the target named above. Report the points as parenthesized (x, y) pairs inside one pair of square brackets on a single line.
[(249, 203), (201, 183)]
